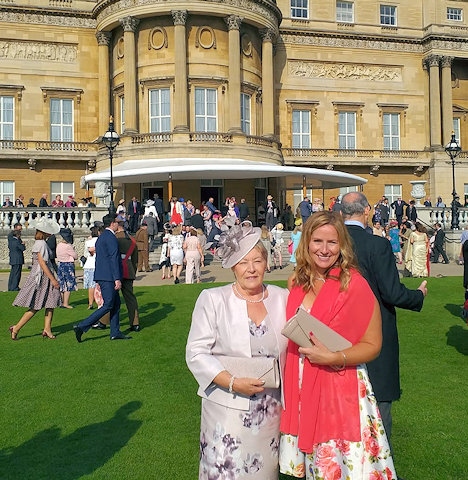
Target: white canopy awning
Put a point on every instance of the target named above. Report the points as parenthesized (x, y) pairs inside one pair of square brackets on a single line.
[(173, 169)]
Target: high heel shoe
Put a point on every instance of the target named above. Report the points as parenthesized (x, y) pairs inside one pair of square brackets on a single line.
[(46, 335), (14, 335)]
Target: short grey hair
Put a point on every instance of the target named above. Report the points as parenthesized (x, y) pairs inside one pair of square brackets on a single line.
[(353, 203)]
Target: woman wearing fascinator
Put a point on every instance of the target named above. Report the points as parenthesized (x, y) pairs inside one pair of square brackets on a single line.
[(240, 415)]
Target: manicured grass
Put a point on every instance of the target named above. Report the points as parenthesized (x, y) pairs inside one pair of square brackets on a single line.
[(129, 410)]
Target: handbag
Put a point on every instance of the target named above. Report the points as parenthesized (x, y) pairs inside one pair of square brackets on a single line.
[(297, 329), (290, 247), (83, 259), (263, 368)]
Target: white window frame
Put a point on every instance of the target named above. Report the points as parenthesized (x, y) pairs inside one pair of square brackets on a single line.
[(7, 189), (455, 14), (456, 129), (206, 109), (7, 124), (246, 101), (160, 110), (300, 9), (392, 192), (62, 188), (347, 130), (391, 131), (61, 129), (388, 15), (122, 113), (345, 190), (345, 12), (301, 128)]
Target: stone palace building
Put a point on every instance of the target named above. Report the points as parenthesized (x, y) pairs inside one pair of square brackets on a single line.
[(371, 88)]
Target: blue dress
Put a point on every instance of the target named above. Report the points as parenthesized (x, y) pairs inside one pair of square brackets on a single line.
[(295, 237), (394, 234)]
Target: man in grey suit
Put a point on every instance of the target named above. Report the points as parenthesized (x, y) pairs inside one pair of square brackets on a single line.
[(16, 248), (378, 266), (108, 274)]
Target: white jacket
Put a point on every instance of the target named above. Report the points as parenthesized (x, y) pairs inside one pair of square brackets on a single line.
[(220, 326)]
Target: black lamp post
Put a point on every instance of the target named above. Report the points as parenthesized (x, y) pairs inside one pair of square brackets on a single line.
[(453, 149), (111, 139)]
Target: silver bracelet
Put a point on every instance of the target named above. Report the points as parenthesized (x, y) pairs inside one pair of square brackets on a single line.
[(231, 383)]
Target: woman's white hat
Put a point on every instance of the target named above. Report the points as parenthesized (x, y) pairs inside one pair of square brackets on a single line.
[(149, 203), (236, 243), (47, 225)]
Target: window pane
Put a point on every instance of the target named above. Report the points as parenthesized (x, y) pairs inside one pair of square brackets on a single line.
[(160, 110)]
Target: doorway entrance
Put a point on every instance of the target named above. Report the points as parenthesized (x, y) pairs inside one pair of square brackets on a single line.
[(215, 192)]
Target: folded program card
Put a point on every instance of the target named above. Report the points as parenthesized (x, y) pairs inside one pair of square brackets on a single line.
[(297, 329)]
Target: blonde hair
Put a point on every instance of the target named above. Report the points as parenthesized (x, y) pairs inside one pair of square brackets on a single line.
[(305, 269), (265, 233)]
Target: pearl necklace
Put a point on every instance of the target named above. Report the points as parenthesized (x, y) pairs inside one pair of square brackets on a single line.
[(246, 299)]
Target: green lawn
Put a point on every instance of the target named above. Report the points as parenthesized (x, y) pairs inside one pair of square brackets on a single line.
[(129, 410)]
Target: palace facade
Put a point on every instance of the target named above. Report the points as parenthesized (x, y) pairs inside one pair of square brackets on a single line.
[(371, 88)]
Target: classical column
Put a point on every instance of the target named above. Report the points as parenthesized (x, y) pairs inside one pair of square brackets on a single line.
[(268, 37), (103, 39), (130, 25), (181, 123), (434, 100), (233, 22), (447, 108)]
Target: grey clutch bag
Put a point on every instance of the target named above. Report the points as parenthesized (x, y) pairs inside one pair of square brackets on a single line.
[(263, 368), (297, 329)]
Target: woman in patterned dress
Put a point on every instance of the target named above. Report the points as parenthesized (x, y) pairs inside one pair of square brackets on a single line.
[(41, 289), (331, 427), (239, 434), (175, 252), (66, 256)]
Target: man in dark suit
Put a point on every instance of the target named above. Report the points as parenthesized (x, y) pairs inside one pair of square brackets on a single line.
[(378, 266), (134, 213), (16, 248), (398, 205), (108, 274), (411, 211), (158, 205), (439, 244)]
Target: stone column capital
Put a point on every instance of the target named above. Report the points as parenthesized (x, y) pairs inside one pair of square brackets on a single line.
[(446, 61), (268, 35), (233, 22), (179, 17), (431, 61), (103, 38), (129, 24)]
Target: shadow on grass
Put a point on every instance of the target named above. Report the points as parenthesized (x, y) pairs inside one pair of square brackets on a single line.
[(455, 310), (47, 455), (457, 337)]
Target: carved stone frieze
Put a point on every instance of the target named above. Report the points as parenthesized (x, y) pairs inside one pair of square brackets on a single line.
[(51, 52), (66, 20), (346, 71)]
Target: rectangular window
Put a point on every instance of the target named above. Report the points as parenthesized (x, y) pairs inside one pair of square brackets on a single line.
[(299, 9), (392, 192), (301, 129), (7, 190), (61, 120), (388, 15), (391, 131), (347, 130), (205, 110), (62, 188), (245, 113), (122, 113), (160, 110), (456, 129), (345, 12), (6, 118), (455, 14)]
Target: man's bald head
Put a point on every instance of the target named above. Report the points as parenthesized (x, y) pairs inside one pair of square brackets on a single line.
[(354, 205)]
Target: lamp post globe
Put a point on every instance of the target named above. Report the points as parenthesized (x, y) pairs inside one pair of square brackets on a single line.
[(111, 139), (452, 149)]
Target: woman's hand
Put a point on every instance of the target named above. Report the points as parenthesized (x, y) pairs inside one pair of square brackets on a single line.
[(248, 386), (318, 353), (55, 283)]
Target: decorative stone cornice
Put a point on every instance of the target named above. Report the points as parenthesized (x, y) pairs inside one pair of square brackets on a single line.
[(179, 17), (233, 22), (35, 17), (268, 35), (103, 38), (129, 24)]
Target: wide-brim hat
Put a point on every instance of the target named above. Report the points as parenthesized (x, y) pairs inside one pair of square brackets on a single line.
[(279, 226), (298, 222), (149, 203), (47, 225), (269, 197), (66, 234), (236, 243)]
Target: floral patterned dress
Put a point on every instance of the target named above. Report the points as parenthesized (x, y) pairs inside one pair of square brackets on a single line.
[(340, 459), (239, 444)]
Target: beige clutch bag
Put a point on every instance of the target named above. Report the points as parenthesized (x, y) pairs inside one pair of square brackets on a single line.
[(263, 368), (297, 329)]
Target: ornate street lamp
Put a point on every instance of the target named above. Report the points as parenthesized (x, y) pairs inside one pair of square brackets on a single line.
[(111, 139), (453, 149)]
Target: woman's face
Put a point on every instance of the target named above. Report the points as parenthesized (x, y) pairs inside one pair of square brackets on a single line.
[(324, 247), (249, 272)]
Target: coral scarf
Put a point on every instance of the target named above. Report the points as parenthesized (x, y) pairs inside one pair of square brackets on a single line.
[(327, 405)]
